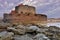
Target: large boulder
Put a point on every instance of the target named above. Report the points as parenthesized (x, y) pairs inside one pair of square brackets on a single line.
[(23, 37), (32, 28), (6, 35), (3, 26), (40, 37), (20, 29)]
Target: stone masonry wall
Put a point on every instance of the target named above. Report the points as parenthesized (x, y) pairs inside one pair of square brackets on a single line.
[(25, 9), (26, 15)]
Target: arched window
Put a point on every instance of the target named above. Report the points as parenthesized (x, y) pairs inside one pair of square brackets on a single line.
[(18, 14), (21, 12), (28, 14), (35, 15)]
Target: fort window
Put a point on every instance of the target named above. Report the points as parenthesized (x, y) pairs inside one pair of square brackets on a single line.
[(28, 14), (21, 12), (18, 15), (35, 15)]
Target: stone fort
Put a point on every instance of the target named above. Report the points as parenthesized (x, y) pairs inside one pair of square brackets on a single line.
[(26, 15)]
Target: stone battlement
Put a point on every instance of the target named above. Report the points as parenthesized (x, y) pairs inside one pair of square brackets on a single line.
[(25, 9)]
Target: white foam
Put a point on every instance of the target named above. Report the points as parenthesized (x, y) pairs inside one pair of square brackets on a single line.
[(53, 24)]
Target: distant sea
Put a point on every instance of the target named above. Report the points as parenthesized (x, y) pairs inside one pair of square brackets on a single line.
[(54, 24)]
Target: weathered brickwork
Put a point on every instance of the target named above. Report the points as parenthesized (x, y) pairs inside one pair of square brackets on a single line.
[(25, 14), (25, 9)]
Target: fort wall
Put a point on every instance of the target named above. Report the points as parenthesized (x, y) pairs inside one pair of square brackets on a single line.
[(25, 9), (26, 15)]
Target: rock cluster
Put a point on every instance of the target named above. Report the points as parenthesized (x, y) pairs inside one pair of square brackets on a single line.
[(20, 29), (6, 35), (29, 32)]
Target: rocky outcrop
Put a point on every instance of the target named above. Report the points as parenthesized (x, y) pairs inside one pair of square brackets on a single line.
[(23, 37), (30, 32), (29, 37), (6, 35), (40, 37), (3, 26), (32, 28), (20, 29)]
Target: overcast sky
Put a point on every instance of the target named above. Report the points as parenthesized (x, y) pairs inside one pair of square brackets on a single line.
[(49, 7)]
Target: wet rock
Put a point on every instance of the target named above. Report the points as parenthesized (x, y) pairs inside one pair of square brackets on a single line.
[(6, 35), (23, 37), (20, 29), (40, 37), (32, 28)]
